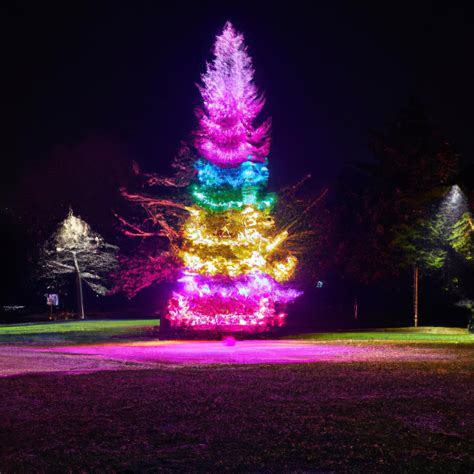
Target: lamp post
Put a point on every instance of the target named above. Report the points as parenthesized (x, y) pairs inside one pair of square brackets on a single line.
[(415, 296)]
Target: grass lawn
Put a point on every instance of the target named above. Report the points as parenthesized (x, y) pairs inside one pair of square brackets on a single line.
[(381, 415), (361, 417), (102, 330), (432, 335), (80, 331)]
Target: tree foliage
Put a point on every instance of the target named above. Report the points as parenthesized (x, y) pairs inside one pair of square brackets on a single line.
[(155, 226), (76, 249), (157, 222), (304, 213), (383, 219), (446, 228)]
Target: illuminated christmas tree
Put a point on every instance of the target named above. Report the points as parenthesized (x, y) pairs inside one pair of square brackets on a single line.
[(235, 266)]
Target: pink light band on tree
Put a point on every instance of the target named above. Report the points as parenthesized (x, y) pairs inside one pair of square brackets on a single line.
[(251, 286), (214, 313), (226, 134)]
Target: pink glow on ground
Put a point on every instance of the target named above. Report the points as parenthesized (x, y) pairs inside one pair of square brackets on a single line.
[(229, 341), (245, 352)]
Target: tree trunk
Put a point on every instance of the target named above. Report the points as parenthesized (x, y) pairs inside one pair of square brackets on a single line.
[(80, 298)]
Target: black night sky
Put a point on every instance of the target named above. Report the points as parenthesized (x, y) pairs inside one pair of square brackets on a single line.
[(331, 73)]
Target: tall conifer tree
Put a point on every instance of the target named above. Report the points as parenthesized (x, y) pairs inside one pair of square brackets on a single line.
[(234, 261)]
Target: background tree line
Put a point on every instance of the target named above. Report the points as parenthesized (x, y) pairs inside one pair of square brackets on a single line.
[(410, 206)]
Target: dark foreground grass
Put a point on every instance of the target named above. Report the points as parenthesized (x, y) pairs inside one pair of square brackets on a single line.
[(320, 417)]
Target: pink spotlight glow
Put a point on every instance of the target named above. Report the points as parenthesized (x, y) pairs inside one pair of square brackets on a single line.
[(244, 352), (229, 341)]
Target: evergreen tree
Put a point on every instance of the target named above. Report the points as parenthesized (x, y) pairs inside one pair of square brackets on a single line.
[(233, 254), (413, 168), (213, 226)]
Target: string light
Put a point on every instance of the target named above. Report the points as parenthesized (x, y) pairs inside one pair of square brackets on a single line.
[(251, 286), (212, 313), (238, 242), (212, 265), (249, 228), (226, 199), (247, 174)]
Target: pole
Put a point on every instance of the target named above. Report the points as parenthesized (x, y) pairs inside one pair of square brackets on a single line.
[(415, 296), (80, 298)]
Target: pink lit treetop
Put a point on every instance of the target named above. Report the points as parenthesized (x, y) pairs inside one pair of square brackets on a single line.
[(226, 134)]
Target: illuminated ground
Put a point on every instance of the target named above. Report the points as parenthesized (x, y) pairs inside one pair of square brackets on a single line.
[(134, 355), (78, 347)]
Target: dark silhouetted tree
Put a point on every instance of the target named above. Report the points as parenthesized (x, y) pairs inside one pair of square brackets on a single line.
[(393, 196)]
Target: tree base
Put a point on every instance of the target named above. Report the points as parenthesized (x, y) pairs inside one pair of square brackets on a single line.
[(167, 332)]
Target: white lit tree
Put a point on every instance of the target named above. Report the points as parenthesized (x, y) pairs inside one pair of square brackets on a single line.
[(76, 249)]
